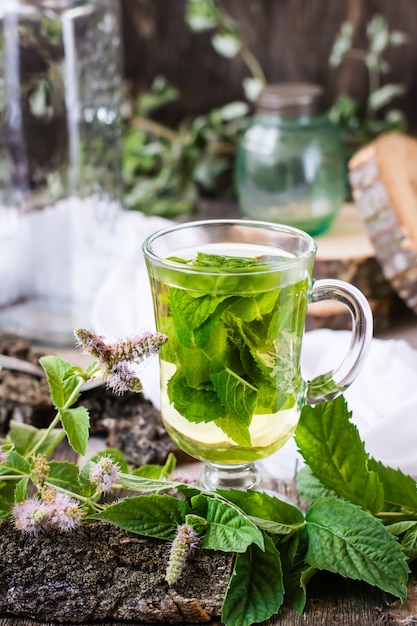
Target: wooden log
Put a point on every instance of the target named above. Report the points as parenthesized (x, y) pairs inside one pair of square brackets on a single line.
[(347, 253), (100, 572), (383, 178)]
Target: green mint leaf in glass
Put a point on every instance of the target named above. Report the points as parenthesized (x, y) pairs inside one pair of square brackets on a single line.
[(254, 307), (228, 529), (331, 447), (195, 317), (235, 428), (255, 591), (225, 262), (61, 389), (344, 539), (236, 394), (152, 516), (75, 423), (196, 405)]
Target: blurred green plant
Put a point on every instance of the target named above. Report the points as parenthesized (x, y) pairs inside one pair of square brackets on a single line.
[(227, 39), (164, 170), (359, 122)]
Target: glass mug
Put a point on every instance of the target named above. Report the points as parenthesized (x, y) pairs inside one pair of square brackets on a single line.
[(231, 296)]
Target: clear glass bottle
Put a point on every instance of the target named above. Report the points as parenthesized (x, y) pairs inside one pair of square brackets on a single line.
[(290, 166), (60, 161)]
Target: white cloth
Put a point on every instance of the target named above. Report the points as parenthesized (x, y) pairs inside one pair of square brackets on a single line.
[(383, 398)]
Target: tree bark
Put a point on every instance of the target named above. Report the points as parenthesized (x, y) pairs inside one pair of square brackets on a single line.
[(100, 572)]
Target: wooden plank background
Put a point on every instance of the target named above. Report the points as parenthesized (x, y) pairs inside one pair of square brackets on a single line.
[(292, 40)]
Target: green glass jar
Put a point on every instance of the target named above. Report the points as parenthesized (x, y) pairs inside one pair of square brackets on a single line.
[(290, 166)]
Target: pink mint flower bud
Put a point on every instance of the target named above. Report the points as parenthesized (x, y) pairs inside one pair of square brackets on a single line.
[(64, 512), (30, 516), (185, 541), (3, 454), (104, 474), (122, 378), (93, 344), (40, 469)]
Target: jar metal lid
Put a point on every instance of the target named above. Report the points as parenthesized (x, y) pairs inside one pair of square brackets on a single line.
[(291, 99)]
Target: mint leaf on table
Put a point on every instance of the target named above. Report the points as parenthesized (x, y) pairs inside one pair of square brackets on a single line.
[(399, 489), (346, 540), (152, 516), (309, 486), (267, 511), (228, 529), (331, 447), (408, 539), (256, 590)]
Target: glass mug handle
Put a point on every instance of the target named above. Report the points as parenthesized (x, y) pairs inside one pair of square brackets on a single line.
[(331, 384)]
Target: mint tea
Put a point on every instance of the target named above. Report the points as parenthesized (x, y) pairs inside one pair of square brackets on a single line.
[(230, 380)]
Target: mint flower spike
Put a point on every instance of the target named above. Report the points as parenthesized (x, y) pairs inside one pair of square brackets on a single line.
[(185, 541), (118, 359), (135, 349)]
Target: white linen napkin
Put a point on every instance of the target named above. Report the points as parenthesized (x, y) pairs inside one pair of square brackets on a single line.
[(383, 398)]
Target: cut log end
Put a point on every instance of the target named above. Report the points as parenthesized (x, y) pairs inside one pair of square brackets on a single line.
[(383, 178)]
